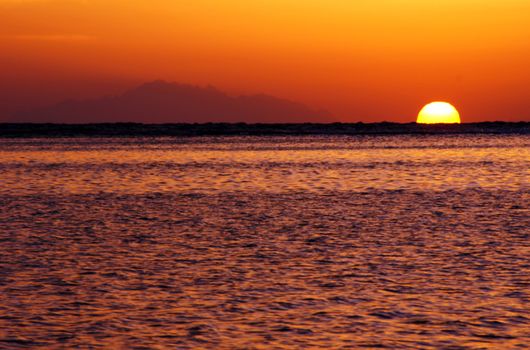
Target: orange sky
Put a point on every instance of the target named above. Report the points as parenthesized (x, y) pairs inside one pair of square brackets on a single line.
[(364, 60)]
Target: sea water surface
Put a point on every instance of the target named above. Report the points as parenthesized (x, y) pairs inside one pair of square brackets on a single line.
[(289, 242)]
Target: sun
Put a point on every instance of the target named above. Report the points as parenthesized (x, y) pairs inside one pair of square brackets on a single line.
[(438, 113)]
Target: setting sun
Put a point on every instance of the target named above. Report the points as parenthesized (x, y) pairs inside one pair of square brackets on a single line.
[(438, 113)]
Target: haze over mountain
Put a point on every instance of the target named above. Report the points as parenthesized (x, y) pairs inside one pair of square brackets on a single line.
[(164, 102)]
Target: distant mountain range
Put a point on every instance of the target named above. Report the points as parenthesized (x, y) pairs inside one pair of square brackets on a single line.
[(164, 102)]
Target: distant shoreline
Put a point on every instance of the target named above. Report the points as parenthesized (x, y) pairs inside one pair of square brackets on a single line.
[(11, 130)]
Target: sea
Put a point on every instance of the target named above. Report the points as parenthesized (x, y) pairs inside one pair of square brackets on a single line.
[(265, 242)]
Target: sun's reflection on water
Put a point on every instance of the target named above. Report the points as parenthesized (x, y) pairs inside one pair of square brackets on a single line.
[(301, 164)]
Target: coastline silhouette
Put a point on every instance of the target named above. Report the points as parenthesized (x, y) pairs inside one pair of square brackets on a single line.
[(240, 129)]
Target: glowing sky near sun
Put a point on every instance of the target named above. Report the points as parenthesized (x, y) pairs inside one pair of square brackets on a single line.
[(363, 60)]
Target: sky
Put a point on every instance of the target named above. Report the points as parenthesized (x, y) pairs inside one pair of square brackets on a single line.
[(363, 60)]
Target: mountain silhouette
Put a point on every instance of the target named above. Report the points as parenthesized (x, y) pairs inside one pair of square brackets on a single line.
[(164, 102)]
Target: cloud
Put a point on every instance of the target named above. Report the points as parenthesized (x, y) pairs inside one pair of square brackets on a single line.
[(16, 9), (37, 1), (52, 37), (18, 3)]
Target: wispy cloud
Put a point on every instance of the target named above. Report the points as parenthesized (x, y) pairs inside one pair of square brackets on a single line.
[(37, 1), (25, 3), (51, 37)]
